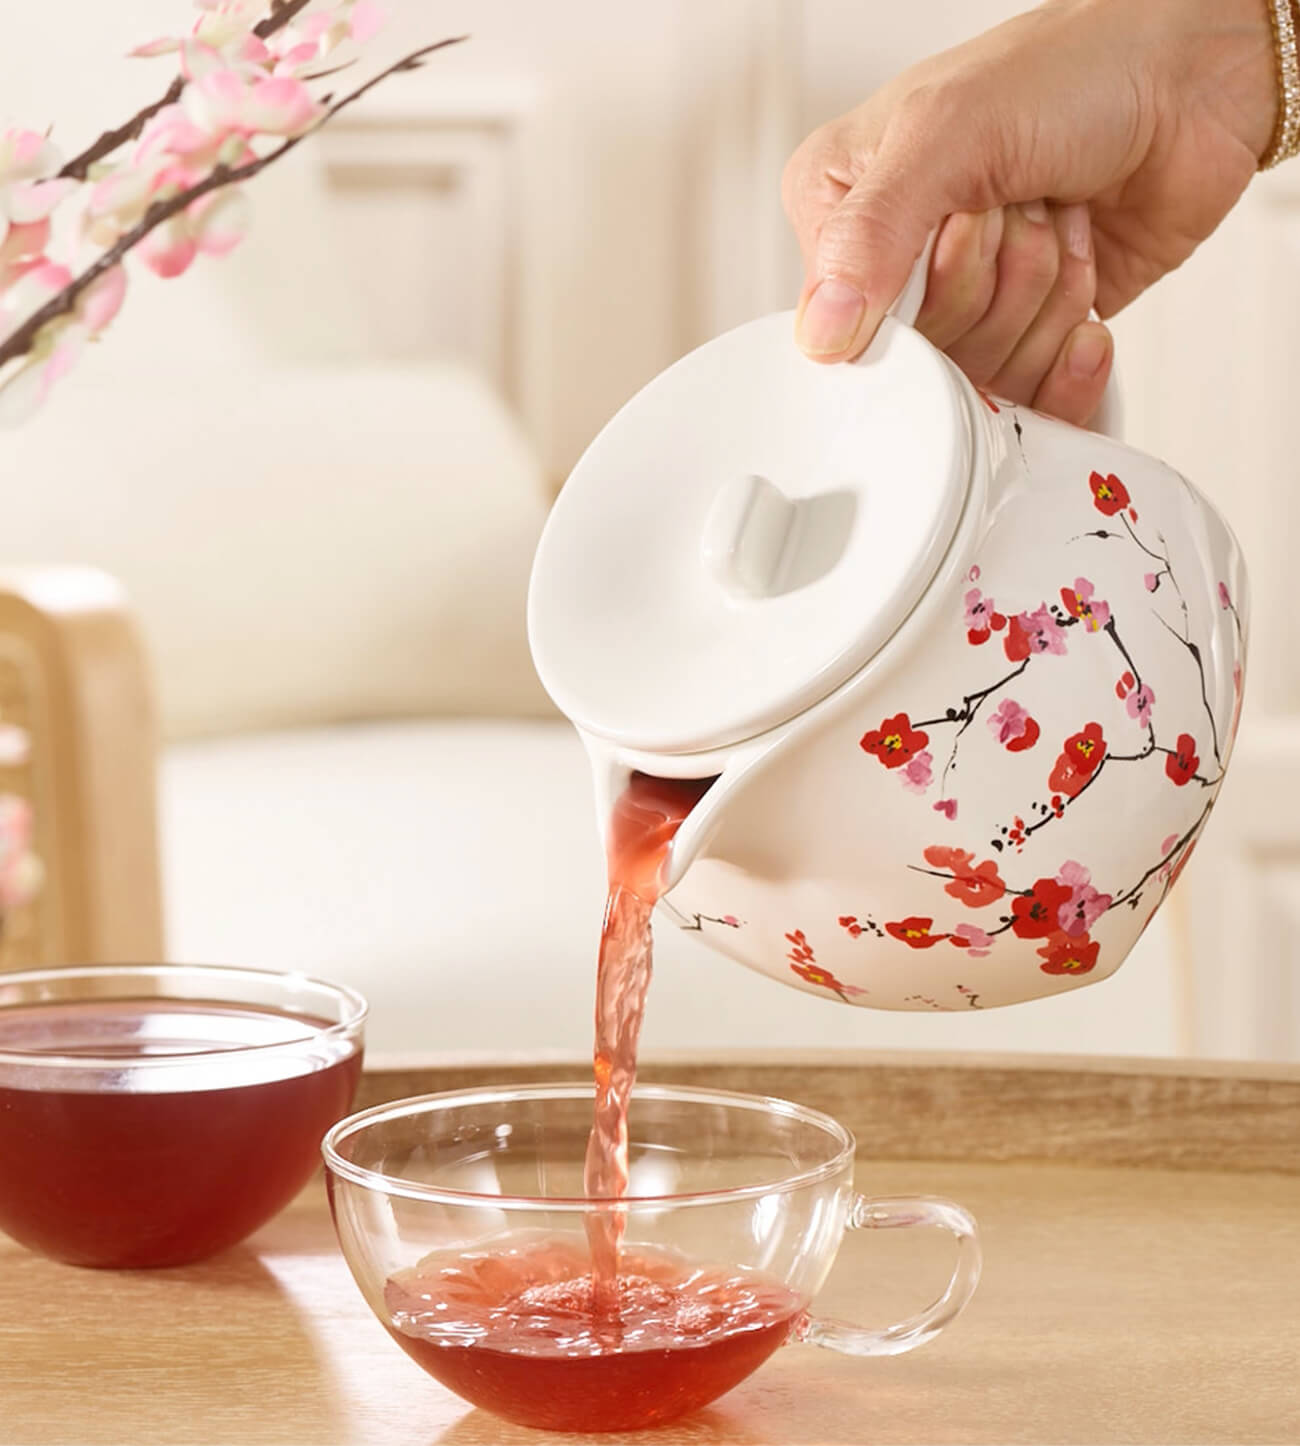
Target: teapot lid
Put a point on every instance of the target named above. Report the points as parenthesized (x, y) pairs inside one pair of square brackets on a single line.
[(745, 534)]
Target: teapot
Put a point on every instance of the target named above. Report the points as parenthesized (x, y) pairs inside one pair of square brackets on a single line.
[(966, 677)]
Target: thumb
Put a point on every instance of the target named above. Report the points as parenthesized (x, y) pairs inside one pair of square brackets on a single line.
[(866, 248)]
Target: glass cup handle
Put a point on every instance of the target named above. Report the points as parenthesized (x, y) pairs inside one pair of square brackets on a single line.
[(893, 1213)]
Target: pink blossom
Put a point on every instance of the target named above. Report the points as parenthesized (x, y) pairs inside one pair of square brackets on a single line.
[(1080, 603), (1151, 580), (1225, 598), (973, 939), (1139, 703), (1010, 721), (24, 391), (219, 221), (1085, 905), (22, 243), (366, 20), (1043, 634), (102, 299), (280, 105), (917, 773), (169, 248), (947, 807), (26, 156), (38, 281)]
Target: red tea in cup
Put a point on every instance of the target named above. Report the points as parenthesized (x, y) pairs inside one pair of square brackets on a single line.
[(519, 1331), (154, 1131)]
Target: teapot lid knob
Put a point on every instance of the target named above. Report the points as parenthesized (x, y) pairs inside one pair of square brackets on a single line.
[(746, 534)]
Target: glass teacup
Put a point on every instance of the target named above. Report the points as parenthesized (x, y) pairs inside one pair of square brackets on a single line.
[(156, 1114), (462, 1219)]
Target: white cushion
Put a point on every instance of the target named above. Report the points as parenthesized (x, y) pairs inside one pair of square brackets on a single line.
[(301, 546), (451, 871)]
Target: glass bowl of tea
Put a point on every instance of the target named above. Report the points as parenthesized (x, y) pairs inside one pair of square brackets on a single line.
[(463, 1220), (153, 1115)]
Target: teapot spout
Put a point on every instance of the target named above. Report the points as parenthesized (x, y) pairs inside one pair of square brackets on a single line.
[(613, 768)]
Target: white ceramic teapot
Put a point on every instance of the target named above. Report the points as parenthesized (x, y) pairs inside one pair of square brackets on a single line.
[(967, 677)]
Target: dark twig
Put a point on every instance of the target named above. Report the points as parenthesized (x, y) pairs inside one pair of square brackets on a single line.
[(22, 339), (78, 168)]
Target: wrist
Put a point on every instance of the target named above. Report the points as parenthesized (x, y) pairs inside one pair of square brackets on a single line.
[(1226, 60)]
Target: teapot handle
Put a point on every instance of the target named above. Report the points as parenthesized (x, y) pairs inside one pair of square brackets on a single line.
[(1109, 419)]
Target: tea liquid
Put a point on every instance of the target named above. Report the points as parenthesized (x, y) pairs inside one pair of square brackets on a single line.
[(645, 821), (139, 1168), (518, 1331)]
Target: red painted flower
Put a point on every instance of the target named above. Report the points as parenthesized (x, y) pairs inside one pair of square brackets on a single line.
[(1080, 758), (1182, 763), (1037, 915), (1063, 955), (815, 974), (1109, 494), (974, 884), (895, 741), (915, 932)]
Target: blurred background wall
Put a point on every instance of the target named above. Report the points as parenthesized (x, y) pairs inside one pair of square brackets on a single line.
[(319, 466)]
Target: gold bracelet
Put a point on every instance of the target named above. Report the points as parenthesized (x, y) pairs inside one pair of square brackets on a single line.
[(1286, 133)]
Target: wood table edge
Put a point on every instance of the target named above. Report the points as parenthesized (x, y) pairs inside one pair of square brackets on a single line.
[(1125, 1111)]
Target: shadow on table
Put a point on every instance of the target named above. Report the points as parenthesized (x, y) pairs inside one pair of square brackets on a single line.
[(714, 1426), (214, 1351)]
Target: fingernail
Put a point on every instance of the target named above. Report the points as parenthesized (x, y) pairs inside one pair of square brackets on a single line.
[(1086, 355), (1078, 232), (831, 318), (1035, 211), (991, 235)]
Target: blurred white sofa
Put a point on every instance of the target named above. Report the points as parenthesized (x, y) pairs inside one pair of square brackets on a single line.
[(361, 776)]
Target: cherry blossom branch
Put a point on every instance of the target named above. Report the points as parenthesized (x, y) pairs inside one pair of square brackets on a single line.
[(19, 342), (78, 168), (964, 715), (1195, 651), (1125, 895)]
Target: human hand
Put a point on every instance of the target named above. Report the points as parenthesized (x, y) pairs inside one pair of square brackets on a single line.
[(1142, 121)]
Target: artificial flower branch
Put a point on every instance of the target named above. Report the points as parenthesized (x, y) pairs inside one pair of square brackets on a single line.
[(78, 168), (242, 100), (22, 339)]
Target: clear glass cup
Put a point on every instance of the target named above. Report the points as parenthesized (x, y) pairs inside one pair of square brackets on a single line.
[(440, 1202), (156, 1114)]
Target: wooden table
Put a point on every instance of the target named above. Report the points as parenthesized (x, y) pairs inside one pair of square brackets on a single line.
[(1141, 1282)]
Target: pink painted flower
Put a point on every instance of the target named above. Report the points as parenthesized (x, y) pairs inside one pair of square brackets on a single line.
[(1085, 905), (1151, 580), (973, 939), (1138, 703), (1012, 726), (947, 807), (1079, 603), (982, 618), (1031, 633), (1225, 597), (918, 772)]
